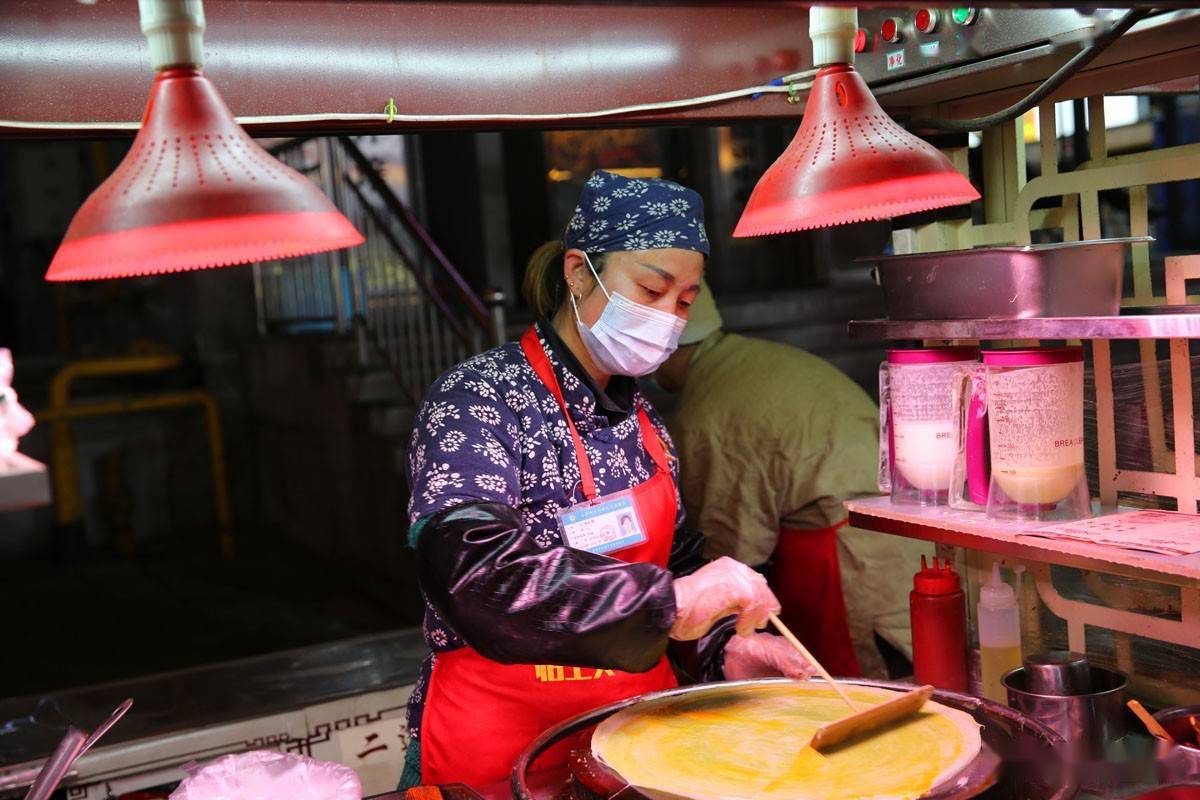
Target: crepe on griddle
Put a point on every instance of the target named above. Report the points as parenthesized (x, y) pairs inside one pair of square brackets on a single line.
[(750, 743)]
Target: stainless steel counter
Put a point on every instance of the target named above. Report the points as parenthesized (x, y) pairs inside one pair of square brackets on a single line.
[(169, 705)]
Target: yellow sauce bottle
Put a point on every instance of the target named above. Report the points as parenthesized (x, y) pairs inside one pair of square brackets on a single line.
[(999, 634)]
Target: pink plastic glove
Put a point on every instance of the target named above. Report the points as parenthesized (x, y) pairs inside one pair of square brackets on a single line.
[(716, 590), (764, 655)]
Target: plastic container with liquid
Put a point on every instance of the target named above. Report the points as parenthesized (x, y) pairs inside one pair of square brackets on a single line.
[(1024, 448), (938, 609), (917, 420), (999, 635)]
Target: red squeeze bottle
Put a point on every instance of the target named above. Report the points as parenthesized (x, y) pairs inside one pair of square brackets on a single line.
[(938, 608)]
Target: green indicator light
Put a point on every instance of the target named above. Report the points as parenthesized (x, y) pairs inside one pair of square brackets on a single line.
[(963, 16)]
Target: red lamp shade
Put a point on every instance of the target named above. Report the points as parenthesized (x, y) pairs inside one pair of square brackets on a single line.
[(849, 162), (195, 192)]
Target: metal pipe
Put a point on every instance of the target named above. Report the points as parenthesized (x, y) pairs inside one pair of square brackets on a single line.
[(216, 443), (68, 507), (496, 300)]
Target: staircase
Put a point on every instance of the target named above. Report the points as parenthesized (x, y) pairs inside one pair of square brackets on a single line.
[(395, 312)]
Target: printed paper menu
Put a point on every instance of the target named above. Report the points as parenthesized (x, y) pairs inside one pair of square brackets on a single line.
[(1166, 532)]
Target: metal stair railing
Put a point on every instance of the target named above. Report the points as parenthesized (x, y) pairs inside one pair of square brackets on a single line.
[(398, 292)]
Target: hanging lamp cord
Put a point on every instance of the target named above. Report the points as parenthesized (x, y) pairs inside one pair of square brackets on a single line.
[(1051, 84)]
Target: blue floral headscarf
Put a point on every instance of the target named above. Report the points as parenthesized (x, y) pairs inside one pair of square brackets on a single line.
[(619, 213)]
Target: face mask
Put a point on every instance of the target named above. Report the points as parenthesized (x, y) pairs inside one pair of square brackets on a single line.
[(629, 338)]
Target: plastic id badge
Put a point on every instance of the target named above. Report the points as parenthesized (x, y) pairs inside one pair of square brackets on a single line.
[(602, 526)]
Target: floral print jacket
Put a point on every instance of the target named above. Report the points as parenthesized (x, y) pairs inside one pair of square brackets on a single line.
[(490, 432)]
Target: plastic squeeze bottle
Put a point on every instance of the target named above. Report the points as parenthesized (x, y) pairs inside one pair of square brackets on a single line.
[(938, 609), (999, 634)]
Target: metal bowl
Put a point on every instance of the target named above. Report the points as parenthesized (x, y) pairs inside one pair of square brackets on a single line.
[(1019, 758), (1071, 279), (1180, 762)]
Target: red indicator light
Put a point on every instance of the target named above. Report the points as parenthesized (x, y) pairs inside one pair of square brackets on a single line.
[(927, 20), (860, 41), (890, 30)]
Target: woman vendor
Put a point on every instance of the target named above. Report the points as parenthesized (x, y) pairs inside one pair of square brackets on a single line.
[(543, 602)]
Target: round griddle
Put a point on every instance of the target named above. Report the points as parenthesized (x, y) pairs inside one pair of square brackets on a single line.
[(1019, 759)]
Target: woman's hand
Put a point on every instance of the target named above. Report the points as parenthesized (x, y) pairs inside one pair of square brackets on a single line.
[(719, 589), (764, 655)]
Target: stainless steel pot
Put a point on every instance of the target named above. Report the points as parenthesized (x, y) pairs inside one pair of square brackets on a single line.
[(1072, 279), (1089, 722)]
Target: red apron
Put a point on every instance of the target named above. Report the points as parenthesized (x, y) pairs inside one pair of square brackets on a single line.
[(479, 714), (806, 578)]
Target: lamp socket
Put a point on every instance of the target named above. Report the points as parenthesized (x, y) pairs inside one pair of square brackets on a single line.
[(832, 32), (174, 30)]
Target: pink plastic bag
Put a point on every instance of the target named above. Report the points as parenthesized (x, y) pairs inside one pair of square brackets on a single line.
[(268, 775)]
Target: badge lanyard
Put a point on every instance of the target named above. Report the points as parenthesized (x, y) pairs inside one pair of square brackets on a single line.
[(541, 365), (598, 525)]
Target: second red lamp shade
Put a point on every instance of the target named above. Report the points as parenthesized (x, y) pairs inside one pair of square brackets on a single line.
[(849, 161)]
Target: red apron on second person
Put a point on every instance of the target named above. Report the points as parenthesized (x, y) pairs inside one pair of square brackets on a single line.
[(807, 579)]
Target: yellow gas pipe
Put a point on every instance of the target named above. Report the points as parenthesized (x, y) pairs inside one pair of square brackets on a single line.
[(69, 507)]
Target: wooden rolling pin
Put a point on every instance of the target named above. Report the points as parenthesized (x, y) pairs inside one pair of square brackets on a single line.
[(842, 730)]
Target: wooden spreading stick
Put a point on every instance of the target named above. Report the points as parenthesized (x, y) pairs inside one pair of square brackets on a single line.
[(1150, 722), (787, 634), (875, 717), (860, 722)]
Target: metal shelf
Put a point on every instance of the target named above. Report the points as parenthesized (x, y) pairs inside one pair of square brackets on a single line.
[(974, 531), (23, 483), (1147, 326)]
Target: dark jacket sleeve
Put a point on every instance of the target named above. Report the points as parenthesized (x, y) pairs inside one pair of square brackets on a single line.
[(518, 603)]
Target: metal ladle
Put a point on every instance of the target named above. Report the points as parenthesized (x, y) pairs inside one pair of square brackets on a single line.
[(73, 745)]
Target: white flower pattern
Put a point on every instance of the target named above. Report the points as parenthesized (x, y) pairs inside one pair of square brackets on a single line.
[(487, 414), (451, 441), (628, 222), (492, 450), (437, 480), (438, 415), (665, 238), (619, 213), (491, 483)]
